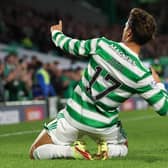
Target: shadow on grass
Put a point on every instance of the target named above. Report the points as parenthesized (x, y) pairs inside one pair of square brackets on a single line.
[(146, 158)]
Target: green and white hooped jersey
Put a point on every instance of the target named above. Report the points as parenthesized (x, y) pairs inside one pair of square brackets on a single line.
[(114, 73)]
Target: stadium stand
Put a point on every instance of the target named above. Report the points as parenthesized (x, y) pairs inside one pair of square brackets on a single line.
[(27, 26)]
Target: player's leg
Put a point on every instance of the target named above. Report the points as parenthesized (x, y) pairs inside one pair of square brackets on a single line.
[(56, 140), (117, 143), (43, 138), (118, 146), (113, 144), (47, 146)]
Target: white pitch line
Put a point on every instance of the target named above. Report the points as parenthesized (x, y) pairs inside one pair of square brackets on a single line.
[(140, 118), (19, 133), (36, 131)]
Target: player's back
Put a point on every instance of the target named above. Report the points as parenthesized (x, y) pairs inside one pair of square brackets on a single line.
[(112, 76)]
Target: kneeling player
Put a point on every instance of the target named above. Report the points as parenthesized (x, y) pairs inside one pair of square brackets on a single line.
[(114, 74)]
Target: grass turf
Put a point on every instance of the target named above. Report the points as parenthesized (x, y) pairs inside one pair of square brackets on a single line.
[(148, 145)]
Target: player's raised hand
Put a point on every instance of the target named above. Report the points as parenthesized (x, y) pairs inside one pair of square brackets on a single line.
[(57, 27)]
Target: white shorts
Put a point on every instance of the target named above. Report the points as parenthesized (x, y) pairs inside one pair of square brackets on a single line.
[(62, 133)]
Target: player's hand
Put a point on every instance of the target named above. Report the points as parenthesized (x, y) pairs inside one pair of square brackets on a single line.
[(56, 27), (155, 75)]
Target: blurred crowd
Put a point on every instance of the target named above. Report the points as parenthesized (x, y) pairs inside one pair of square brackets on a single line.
[(27, 79), (23, 25), (31, 79)]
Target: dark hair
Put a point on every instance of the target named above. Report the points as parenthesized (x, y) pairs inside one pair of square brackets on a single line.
[(38, 65), (143, 26)]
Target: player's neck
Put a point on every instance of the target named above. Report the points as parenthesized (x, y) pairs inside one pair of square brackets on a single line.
[(133, 46)]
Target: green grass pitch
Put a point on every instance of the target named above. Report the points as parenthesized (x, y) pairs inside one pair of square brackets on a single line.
[(148, 145)]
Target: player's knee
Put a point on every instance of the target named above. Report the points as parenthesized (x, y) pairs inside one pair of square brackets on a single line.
[(124, 150), (117, 150), (31, 151)]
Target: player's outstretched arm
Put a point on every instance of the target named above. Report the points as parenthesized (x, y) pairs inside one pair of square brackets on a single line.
[(155, 94), (73, 46)]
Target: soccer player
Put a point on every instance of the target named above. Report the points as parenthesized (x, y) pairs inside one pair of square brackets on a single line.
[(114, 73)]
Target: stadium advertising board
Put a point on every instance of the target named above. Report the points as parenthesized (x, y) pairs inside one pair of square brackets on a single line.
[(134, 103), (14, 112), (128, 105), (8, 116), (34, 113)]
